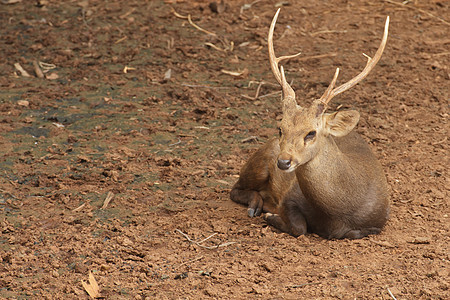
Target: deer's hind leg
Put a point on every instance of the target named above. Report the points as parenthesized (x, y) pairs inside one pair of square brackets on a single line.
[(360, 233), (252, 188)]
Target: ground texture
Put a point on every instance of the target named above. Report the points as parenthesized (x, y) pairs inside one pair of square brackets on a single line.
[(140, 107)]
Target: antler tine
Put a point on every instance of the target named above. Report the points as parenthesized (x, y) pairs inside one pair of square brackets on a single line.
[(371, 63), (273, 59), (326, 96), (288, 101)]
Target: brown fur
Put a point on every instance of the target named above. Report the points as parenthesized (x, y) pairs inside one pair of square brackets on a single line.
[(320, 176)]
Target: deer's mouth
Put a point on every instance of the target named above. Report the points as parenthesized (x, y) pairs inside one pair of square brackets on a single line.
[(291, 168)]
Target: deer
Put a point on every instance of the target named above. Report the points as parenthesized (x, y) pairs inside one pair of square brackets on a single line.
[(320, 176)]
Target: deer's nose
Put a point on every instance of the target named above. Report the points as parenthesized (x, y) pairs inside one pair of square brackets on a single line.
[(284, 164)]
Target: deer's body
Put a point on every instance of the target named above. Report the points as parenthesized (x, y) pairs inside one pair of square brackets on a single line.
[(320, 176), (333, 202)]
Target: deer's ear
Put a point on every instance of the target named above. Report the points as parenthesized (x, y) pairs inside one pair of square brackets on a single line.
[(340, 123)]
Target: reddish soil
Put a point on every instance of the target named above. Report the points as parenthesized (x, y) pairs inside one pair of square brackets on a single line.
[(108, 118)]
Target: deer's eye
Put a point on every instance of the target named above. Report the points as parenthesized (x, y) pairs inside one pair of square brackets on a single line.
[(279, 131), (310, 135)]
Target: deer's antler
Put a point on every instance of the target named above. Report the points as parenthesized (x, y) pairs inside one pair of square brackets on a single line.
[(288, 92), (371, 63)]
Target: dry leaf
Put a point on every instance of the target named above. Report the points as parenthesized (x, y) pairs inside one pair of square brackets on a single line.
[(92, 287), (126, 69), (23, 103), (11, 1), (167, 75), (52, 76), (46, 66), (223, 182)]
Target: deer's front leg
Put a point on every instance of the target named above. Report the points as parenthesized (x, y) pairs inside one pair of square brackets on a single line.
[(250, 198), (253, 187)]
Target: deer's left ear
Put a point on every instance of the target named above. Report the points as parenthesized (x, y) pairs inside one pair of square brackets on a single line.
[(340, 123)]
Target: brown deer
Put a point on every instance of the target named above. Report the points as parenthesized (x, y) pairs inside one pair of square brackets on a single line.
[(320, 176)]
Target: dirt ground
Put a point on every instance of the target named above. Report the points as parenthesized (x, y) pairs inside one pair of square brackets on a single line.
[(138, 106)]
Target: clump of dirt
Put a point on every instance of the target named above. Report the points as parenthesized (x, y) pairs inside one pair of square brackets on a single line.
[(156, 105)]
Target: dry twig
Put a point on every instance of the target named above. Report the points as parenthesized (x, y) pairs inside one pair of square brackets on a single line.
[(418, 9), (204, 86), (392, 295), (258, 90), (121, 40), (201, 127), (38, 70), (250, 139), (205, 239), (191, 261), (178, 15), (301, 285), (8, 193), (248, 6), (270, 94), (327, 31), (188, 135), (176, 143), (214, 47), (229, 47), (199, 28), (79, 207), (317, 56), (21, 70), (242, 73), (108, 199), (203, 246)]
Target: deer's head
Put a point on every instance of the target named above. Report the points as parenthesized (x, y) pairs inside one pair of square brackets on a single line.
[(303, 130)]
